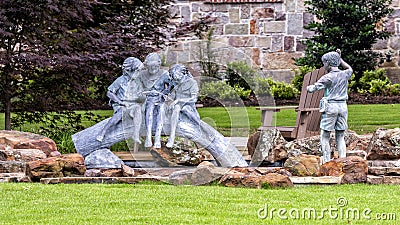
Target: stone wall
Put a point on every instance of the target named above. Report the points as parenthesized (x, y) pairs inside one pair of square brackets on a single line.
[(268, 32)]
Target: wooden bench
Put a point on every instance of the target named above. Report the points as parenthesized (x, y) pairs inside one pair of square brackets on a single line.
[(308, 115)]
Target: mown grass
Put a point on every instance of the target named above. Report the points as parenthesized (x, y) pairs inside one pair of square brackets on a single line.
[(362, 119), (167, 204)]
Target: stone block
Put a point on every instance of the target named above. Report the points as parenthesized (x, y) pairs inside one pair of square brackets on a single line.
[(289, 44), (255, 57), (241, 41), (277, 43), (380, 44), (394, 42), (290, 5), (245, 11), (275, 27), (282, 75), (262, 13), (234, 16), (185, 14), (254, 29), (295, 24), (237, 29), (277, 60), (263, 41)]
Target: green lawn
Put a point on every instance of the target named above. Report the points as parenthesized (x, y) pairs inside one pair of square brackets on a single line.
[(362, 118), (166, 204)]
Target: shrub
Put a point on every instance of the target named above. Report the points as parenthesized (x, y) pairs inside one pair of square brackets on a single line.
[(240, 74), (299, 73), (218, 90), (354, 37), (376, 82), (279, 90)]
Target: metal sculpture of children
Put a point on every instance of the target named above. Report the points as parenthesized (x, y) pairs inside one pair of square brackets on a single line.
[(156, 87), (186, 92), (124, 94), (333, 105)]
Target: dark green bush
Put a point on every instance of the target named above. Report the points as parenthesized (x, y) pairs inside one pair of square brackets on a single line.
[(352, 26)]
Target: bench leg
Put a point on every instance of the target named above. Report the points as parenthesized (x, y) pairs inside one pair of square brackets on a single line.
[(266, 118)]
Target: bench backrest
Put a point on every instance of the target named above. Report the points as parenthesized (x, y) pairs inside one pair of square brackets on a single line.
[(309, 100)]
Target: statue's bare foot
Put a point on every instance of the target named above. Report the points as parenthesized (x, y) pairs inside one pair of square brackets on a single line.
[(148, 143), (157, 145), (170, 144), (100, 138)]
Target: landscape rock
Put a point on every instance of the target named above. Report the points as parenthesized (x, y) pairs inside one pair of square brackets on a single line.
[(384, 145), (250, 177), (26, 140), (303, 165), (269, 148), (101, 159), (73, 164), (103, 173), (206, 173), (352, 169), (12, 167), (66, 165), (355, 145), (27, 155), (179, 154), (44, 168)]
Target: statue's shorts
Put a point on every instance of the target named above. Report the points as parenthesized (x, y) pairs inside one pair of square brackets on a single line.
[(335, 116)]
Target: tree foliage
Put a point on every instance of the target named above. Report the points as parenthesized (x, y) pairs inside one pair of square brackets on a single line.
[(352, 26), (58, 55)]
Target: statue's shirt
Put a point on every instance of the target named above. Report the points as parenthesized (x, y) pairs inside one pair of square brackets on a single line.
[(335, 84)]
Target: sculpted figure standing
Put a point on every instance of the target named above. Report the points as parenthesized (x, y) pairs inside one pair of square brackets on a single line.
[(156, 87), (185, 90), (333, 105), (124, 94)]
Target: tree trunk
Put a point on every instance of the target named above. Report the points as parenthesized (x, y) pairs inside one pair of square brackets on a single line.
[(7, 114)]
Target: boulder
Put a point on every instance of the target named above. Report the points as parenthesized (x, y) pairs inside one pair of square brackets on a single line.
[(205, 173), (12, 167), (269, 147), (252, 178), (384, 145), (101, 159), (104, 173), (179, 154), (303, 165), (26, 140), (355, 145), (352, 169), (66, 165), (27, 155)]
